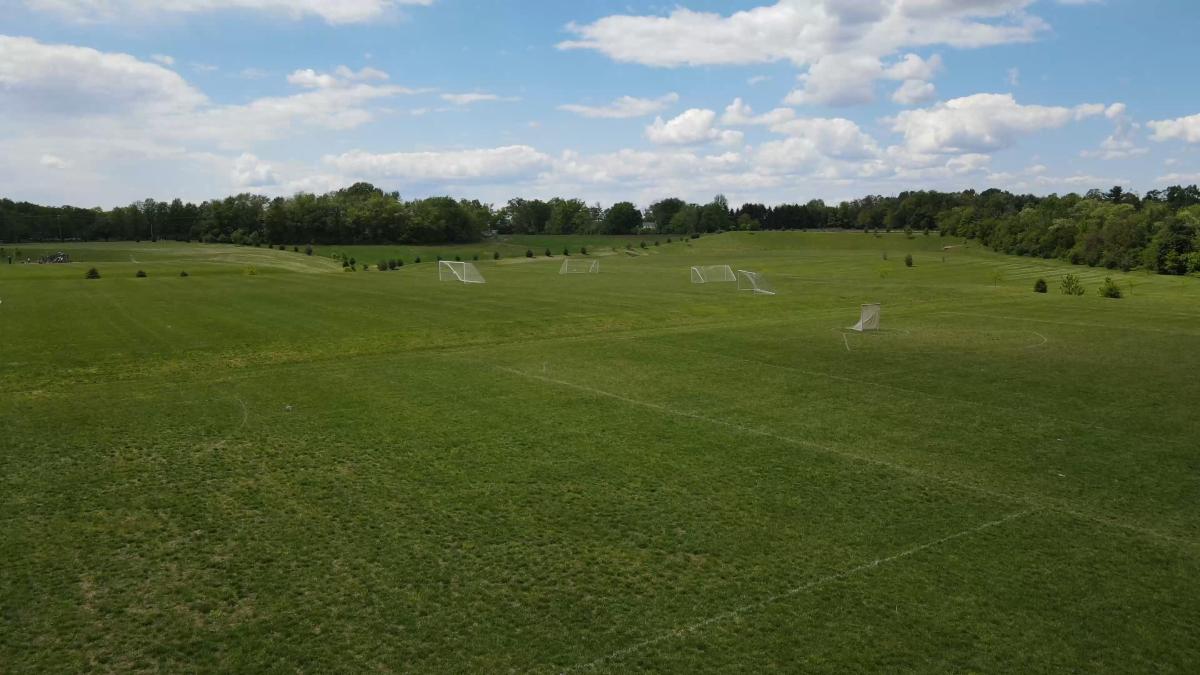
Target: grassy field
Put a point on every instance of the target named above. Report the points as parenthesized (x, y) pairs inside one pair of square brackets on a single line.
[(305, 469)]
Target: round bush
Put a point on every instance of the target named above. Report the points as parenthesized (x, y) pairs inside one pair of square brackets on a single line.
[(92, 273), (1039, 286), (140, 274), (183, 273)]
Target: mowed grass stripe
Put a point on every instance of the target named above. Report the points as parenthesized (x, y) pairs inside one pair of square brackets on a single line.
[(1034, 500)]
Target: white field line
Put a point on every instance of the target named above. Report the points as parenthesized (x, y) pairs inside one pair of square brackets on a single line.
[(926, 394), (1030, 501), (1040, 344), (846, 341), (816, 583), (768, 434)]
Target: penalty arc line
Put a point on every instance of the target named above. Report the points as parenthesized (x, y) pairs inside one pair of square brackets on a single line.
[(816, 583)]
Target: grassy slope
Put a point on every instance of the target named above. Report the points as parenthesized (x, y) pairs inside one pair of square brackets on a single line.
[(545, 471)]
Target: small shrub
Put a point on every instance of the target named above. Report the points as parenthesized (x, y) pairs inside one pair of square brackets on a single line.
[(418, 259), (528, 253), (496, 255), (1070, 285), (183, 273), (140, 274), (475, 257), (282, 247), (439, 257), (382, 266), (628, 246), (458, 258), (251, 272), (582, 250), (656, 242), (308, 250), (566, 251), (695, 235), (400, 263), (1110, 289), (1039, 286), (295, 249), (92, 273), (668, 240), (885, 255), (549, 254), (353, 262), (392, 264), (908, 260), (345, 264), (643, 243)]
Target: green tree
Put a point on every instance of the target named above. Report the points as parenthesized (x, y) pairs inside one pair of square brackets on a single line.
[(622, 218)]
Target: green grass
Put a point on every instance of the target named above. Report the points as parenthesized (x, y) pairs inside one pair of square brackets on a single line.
[(305, 469)]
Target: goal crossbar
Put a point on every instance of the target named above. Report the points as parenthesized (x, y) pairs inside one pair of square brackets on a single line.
[(755, 282), (707, 274), (868, 318), (454, 270), (579, 266)]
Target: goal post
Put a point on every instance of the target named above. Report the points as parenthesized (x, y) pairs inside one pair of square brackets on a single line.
[(579, 266), (707, 274), (453, 270), (755, 282), (868, 319)]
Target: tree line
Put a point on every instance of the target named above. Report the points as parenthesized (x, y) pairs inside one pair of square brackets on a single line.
[(1159, 230)]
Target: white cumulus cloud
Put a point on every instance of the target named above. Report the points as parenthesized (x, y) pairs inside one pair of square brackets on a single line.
[(1186, 129), (624, 107), (332, 11), (841, 45), (449, 165), (980, 123), (689, 128)]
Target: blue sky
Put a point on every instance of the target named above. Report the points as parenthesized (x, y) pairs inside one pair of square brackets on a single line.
[(103, 102)]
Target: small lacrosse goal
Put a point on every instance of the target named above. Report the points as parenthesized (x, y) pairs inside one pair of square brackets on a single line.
[(868, 318), (453, 270)]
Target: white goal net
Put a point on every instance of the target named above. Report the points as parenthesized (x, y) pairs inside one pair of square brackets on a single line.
[(755, 282), (453, 270), (579, 266), (868, 319), (708, 274)]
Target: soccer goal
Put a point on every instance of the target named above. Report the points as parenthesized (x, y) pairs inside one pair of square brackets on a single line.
[(453, 270), (708, 274), (755, 282), (868, 319), (579, 266)]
